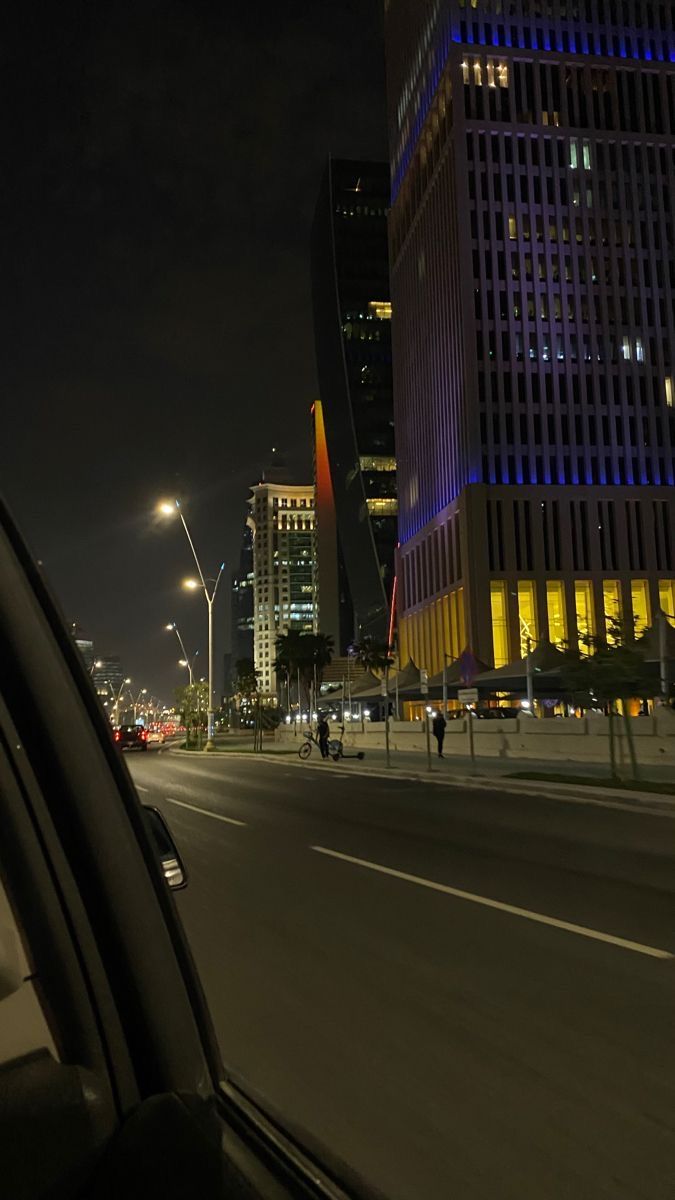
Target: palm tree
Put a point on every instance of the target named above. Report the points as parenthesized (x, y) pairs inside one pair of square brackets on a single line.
[(304, 653), (290, 654), (372, 654), (320, 648)]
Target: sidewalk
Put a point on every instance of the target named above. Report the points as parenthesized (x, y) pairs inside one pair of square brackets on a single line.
[(457, 772)]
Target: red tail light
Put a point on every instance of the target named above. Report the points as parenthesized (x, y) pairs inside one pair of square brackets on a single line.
[(144, 735), (117, 735)]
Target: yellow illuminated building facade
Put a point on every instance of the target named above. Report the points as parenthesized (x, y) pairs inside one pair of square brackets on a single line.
[(510, 572)]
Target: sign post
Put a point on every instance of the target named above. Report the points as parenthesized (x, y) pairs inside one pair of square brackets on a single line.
[(424, 689), (385, 696), (467, 697)]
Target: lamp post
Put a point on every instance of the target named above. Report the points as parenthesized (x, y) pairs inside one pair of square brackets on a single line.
[(168, 509), (184, 661), (116, 704), (136, 702)]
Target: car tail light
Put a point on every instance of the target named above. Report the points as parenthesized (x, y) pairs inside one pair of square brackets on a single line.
[(144, 735), (117, 735)]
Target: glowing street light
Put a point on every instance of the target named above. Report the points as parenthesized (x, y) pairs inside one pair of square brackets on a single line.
[(118, 697), (168, 509), (185, 660)]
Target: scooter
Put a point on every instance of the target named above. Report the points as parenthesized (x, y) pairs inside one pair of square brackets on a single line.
[(336, 748)]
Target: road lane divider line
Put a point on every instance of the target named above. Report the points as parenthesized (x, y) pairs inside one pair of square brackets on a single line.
[(512, 909), (141, 789), (205, 812)]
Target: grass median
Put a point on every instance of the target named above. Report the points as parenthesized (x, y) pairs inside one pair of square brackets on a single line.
[(624, 785)]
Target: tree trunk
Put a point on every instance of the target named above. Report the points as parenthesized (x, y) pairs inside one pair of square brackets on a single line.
[(612, 743), (631, 742)]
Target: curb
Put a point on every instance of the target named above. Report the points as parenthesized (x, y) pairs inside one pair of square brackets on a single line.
[(604, 797)]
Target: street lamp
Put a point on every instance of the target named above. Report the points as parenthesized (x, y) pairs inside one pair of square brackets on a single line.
[(184, 661), (95, 666), (167, 509), (137, 701), (116, 704)]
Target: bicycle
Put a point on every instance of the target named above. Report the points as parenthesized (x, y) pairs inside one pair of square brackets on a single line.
[(305, 749)]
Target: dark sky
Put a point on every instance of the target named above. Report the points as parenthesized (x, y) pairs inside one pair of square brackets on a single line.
[(161, 166)]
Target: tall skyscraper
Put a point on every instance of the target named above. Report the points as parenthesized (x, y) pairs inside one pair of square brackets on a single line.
[(352, 333), (109, 676), (241, 627), (533, 268), (282, 522)]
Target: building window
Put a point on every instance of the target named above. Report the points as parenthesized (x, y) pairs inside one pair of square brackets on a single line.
[(380, 309), (555, 603), (639, 592), (384, 506), (669, 391), (667, 598), (500, 631), (583, 601), (527, 616), (611, 602), (377, 462)]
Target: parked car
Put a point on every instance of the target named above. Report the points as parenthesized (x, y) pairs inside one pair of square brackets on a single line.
[(131, 737)]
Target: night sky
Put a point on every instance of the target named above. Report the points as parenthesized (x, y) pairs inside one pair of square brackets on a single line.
[(161, 167)]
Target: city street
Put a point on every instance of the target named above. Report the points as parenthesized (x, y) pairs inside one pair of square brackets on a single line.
[(457, 993)]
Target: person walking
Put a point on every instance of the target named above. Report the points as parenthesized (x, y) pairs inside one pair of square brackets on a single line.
[(323, 733), (439, 731)]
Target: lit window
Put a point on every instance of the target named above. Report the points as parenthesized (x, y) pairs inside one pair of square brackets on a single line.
[(639, 593), (555, 603), (574, 154), (667, 598), (587, 156), (583, 600), (611, 596), (625, 348), (500, 633), (377, 462), (513, 228), (527, 616), (380, 309), (386, 506), (669, 391)]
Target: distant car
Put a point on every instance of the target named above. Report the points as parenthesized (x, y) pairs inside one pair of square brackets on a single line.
[(156, 736), (131, 737)]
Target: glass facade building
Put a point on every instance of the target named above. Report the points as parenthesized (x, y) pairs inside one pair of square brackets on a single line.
[(241, 635), (533, 273), (352, 332)]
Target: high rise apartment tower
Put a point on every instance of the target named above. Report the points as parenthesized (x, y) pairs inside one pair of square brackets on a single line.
[(533, 271), (281, 518)]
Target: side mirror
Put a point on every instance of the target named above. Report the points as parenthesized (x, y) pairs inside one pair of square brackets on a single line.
[(167, 851)]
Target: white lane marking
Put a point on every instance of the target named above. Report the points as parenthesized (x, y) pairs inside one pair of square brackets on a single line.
[(141, 789), (513, 910), (204, 811)]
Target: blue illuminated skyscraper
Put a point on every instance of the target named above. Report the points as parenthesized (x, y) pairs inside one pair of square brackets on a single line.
[(533, 273)]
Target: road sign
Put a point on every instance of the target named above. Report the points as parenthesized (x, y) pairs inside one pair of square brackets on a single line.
[(467, 695), (424, 681)]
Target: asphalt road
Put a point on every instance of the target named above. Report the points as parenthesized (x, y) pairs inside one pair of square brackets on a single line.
[(480, 1006)]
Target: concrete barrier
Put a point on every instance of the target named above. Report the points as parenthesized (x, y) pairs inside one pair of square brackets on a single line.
[(559, 740)]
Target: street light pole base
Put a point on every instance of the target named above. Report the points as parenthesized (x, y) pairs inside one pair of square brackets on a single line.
[(210, 745)]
